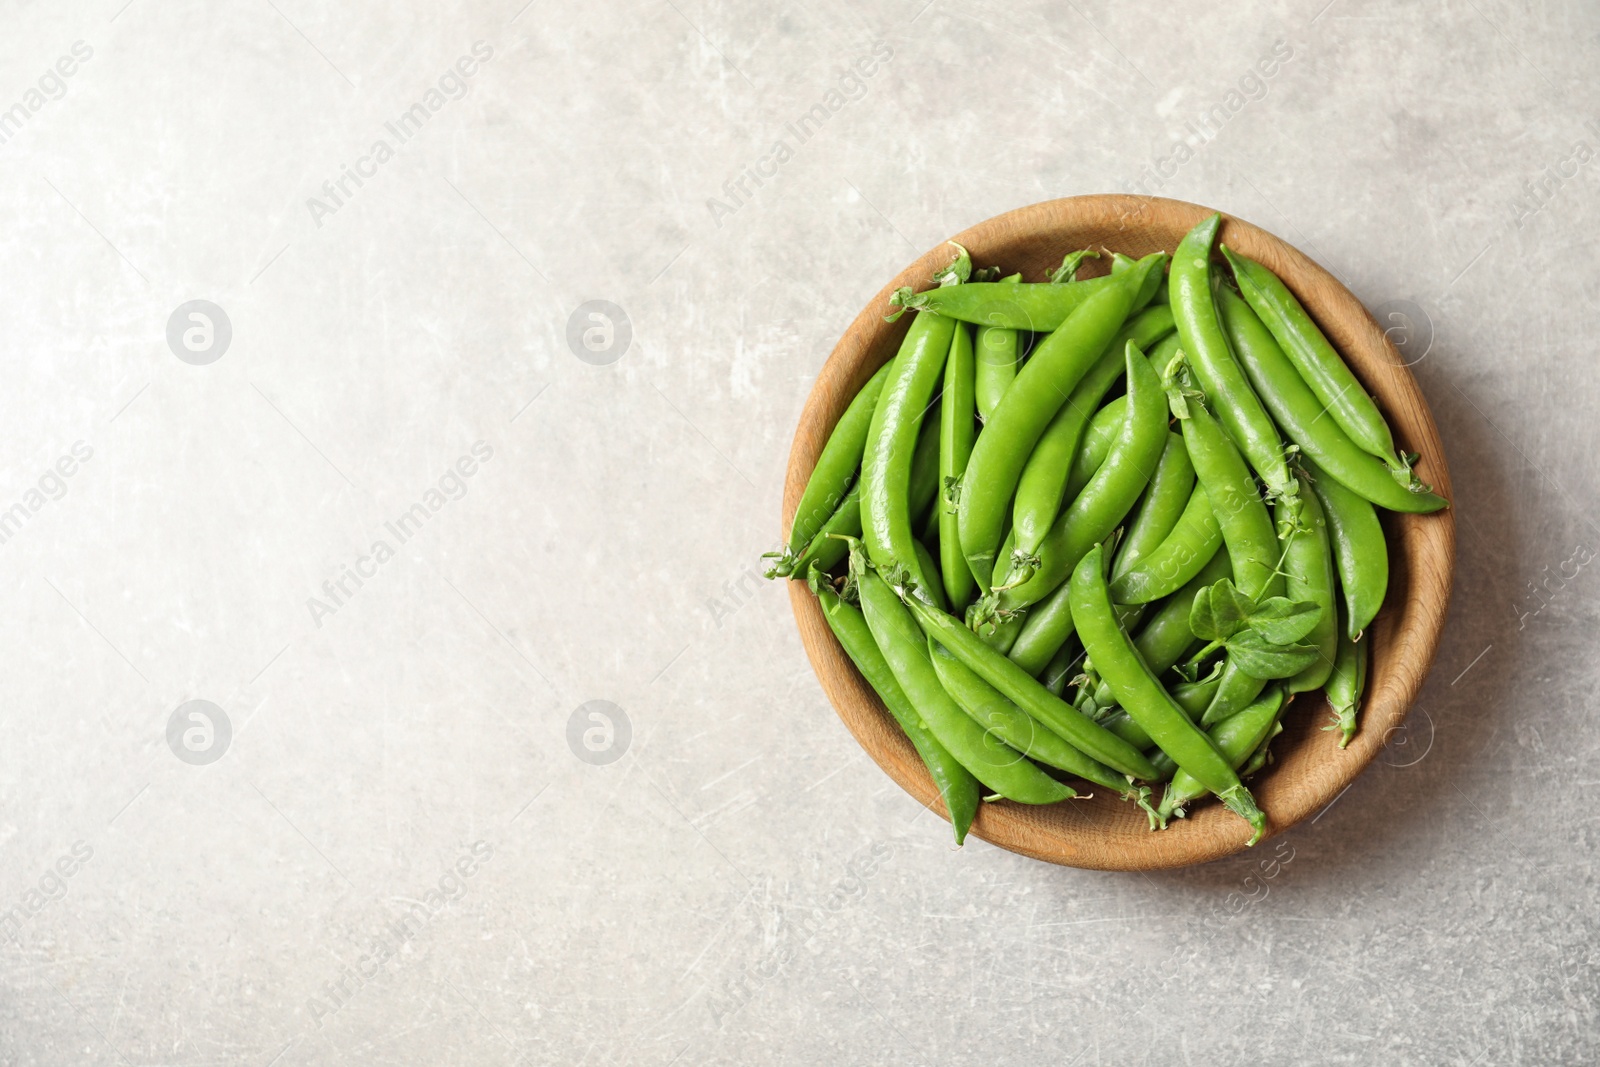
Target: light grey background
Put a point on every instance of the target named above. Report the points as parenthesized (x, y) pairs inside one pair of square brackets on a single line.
[(742, 885)]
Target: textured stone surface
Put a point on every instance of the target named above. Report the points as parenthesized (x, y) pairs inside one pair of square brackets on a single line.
[(741, 885)]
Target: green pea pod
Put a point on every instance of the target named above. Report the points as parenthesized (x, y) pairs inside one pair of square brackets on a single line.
[(1215, 369), (837, 464), (922, 487), (1026, 692), (994, 763), (1059, 671), (1308, 576), (1319, 363), (892, 440), (1166, 637), (1044, 631), (958, 430), (1163, 504), (1359, 551), (1095, 446), (1235, 691), (1236, 738), (1058, 364), (930, 566), (1110, 493), (1346, 684), (1300, 413), (1193, 540), (956, 785), (1043, 485), (998, 349), (1144, 698), (1036, 306), (1246, 526), (1014, 726), (826, 548), (1194, 697)]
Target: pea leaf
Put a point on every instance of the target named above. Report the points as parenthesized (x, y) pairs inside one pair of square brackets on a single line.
[(1219, 611), (1283, 621), (1260, 658)]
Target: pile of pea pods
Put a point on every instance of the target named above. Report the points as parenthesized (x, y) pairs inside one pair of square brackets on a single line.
[(1099, 532)]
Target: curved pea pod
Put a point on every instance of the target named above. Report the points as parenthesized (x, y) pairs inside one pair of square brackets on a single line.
[(958, 428), (994, 763), (892, 441), (1360, 553), (1241, 514), (1163, 504), (1142, 696), (1194, 539), (1346, 684), (1235, 691), (1036, 306), (1300, 414), (1236, 738), (1043, 484), (1026, 692), (1166, 637), (1047, 478), (1110, 494), (1059, 671), (827, 548), (1056, 367), (956, 785), (832, 479), (1095, 446), (1215, 369), (1308, 576), (1321, 367), (1194, 697), (991, 710), (1043, 631)]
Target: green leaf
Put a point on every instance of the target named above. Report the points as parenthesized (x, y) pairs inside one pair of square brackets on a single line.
[(1283, 621), (1219, 611), (1260, 658)]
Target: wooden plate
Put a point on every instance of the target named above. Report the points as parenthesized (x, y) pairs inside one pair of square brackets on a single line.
[(1310, 770)]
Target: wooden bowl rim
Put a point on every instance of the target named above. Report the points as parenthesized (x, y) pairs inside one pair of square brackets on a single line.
[(1310, 771)]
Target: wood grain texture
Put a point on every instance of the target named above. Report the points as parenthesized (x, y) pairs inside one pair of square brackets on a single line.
[(1310, 770)]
